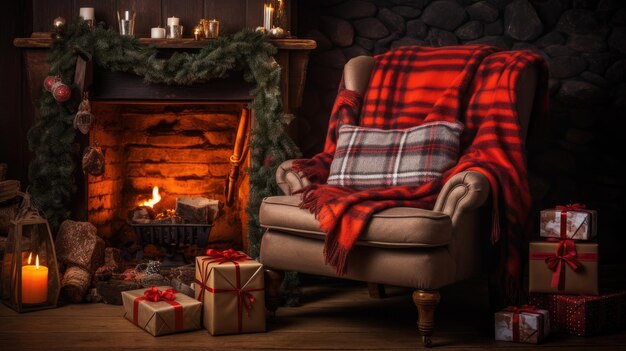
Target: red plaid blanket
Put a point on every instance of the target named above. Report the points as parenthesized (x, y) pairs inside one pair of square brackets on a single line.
[(472, 84)]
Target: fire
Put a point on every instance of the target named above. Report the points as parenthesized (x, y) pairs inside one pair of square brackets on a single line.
[(154, 200)]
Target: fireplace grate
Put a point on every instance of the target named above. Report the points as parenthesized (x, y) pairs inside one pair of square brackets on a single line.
[(172, 237)]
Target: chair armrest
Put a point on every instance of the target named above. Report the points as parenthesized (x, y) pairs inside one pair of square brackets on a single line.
[(288, 180), (463, 193)]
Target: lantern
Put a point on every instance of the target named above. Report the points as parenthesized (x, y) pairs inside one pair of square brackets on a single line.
[(30, 276)]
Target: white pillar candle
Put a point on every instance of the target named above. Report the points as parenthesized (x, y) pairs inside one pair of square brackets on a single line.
[(157, 33), (87, 13), (173, 21)]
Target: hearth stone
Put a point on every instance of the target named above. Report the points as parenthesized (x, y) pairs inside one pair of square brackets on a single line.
[(482, 11), (521, 21), (444, 14)]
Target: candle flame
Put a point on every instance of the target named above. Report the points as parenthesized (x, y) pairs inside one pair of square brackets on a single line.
[(154, 200), (36, 262), (30, 257)]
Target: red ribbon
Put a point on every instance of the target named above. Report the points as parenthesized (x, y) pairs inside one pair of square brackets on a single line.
[(244, 296), (564, 209), (155, 295), (515, 320), (565, 255)]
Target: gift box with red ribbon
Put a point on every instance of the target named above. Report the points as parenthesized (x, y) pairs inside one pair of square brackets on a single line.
[(584, 315), (161, 310), (525, 324), (564, 267), (571, 221), (230, 285)]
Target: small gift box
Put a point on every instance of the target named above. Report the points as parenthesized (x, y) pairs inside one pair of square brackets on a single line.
[(563, 267), (584, 315), (161, 310), (568, 222), (526, 324), (230, 284)]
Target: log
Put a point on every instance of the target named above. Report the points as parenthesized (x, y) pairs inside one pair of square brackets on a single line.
[(77, 244), (75, 283), (113, 259), (111, 291), (141, 214), (197, 210)]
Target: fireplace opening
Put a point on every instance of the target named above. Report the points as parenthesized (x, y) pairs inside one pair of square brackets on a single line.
[(166, 150)]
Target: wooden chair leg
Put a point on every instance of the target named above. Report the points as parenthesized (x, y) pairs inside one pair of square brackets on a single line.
[(273, 281), (426, 302), (377, 291)]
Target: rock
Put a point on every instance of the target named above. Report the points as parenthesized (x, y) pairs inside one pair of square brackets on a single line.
[(75, 283), (367, 44), (406, 41), (497, 41), (482, 11), (559, 50), (416, 29), (332, 58), (587, 43), (355, 51), (494, 28), (407, 11), (420, 3), (527, 46), (77, 244), (197, 210), (339, 31), (470, 30), (617, 40), (148, 280), (552, 38), (578, 21), (521, 21), (598, 62), (580, 93), (111, 291), (444, 14), (323, 43), (384, 44), (617, 72), (393, 21), (353, 9), (549, 12), (371, 28), (438, 37), (553, 86), (594, 79), (578, 136)]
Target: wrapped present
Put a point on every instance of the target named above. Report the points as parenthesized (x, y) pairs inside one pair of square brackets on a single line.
[(161, 310), (526, 324), (584, 315), (568, 222), (563, 266), (230, 284)]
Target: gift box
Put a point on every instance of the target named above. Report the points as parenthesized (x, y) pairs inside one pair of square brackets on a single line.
[(161, 310), (564, 267), (230, 285), (526, 324), (584, 315), (568, 222)]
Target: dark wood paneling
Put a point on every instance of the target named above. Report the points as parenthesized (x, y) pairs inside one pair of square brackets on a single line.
[(254, 13), (148, 14), (231, 14), (44, 11), (105, 10), (189, 11)]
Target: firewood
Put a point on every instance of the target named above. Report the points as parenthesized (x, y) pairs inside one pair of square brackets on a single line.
[(75, 283), (77, 244), (111, 291), (113, 259), (197, 210), (141, 214)]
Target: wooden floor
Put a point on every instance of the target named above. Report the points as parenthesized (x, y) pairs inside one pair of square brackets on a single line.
[(333, 316)]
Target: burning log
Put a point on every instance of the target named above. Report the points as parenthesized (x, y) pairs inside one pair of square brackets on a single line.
[(141, 214), (197, 210)]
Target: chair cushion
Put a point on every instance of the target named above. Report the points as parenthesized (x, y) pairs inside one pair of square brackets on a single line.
[(398, 227), (371, 157)]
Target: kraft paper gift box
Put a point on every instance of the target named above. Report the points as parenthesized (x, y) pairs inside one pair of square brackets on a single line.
[(525, 324), (563, 267), (175, 312), (231, 287), (568, 222)]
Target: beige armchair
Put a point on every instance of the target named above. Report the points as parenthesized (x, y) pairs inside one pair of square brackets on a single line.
[(410, 247)]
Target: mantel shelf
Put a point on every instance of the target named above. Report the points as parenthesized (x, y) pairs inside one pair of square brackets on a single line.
[(44, 41)]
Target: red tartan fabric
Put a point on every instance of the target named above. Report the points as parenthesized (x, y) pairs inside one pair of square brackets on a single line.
[(473, 84)]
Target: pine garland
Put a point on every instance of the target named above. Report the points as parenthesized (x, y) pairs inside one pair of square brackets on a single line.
[(52, 139)]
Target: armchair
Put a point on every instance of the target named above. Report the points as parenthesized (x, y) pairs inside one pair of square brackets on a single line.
[(435, 247)]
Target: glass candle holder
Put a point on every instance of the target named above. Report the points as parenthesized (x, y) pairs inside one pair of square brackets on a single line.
[(126, 21), (212, 29), (174, 31)]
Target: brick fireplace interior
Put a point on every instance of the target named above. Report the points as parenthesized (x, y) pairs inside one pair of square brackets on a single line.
[(182, 148)]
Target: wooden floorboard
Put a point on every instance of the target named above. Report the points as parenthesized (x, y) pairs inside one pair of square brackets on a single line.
[(333, 316)]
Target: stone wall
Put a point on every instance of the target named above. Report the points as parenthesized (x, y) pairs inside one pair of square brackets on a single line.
[(584, 43)]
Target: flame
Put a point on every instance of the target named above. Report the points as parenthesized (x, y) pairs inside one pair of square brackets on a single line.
[(154, 200), (30, 257), (36, 262)]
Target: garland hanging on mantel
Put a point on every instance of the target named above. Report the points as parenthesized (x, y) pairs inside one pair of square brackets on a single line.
[(52, 139)]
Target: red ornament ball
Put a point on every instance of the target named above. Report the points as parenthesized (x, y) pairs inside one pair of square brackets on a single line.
[(61, 91), (49, 82)]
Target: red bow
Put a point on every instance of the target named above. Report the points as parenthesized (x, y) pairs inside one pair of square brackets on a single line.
[(515, 320), (565, 254), (155, 295), (229, 255), (571, 207)]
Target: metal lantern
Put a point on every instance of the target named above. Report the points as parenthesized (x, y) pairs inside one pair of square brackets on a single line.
[(30, 276)]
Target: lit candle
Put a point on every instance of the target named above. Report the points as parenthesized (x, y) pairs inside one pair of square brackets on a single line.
[(34, 282), (173, 21), (157, 33), (267, 16)]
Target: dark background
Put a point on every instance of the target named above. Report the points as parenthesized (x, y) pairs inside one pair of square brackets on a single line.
[(584, 43)]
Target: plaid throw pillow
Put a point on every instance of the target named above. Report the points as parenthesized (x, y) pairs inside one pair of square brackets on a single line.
[(370, 157)]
